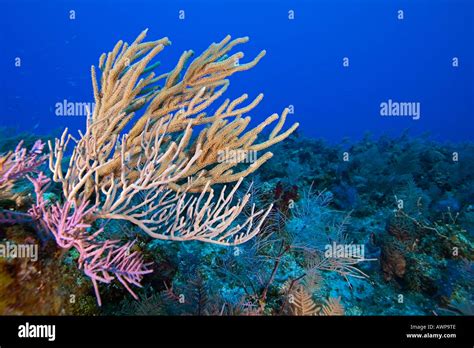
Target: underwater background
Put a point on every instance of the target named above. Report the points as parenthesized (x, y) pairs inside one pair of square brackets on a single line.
[(341, 176)]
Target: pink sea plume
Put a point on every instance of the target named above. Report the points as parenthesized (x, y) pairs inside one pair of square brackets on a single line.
[(108, 261), (21, 162), (70, 224)]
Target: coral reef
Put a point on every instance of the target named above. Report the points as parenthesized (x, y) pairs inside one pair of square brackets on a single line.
[(155, 176), (150, 196), (423, 247)]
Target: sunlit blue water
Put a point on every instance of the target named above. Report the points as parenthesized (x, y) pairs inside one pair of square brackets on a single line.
[(405, 60)]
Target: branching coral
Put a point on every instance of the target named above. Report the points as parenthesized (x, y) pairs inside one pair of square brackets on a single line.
[(158, 161), (156, 176), (102, 261), (14, 165)]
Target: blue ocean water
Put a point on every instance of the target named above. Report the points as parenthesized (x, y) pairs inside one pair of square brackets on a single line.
[(344, 68), (403, 60)]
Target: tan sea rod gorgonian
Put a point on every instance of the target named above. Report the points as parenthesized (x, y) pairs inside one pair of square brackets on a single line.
[(147, 168)]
